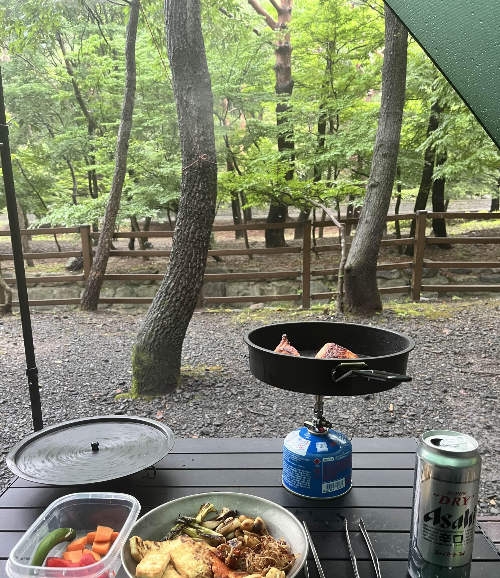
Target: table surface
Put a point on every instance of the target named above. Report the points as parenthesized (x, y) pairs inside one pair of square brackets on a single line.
[(381, 495)]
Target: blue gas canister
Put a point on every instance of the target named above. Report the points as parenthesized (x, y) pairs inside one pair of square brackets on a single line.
[(317, 465)]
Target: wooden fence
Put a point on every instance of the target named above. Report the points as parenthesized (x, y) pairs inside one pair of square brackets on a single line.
[(306, 273)]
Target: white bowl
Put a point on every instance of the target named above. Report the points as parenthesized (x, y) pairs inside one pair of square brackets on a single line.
[(280, 522)]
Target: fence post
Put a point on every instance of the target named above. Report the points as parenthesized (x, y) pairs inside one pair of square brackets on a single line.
[(306, 265), (418, 256), (86, 250), (200, 302)]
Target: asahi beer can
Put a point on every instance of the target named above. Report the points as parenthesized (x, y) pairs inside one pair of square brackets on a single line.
[(445, 496), (317, 465)]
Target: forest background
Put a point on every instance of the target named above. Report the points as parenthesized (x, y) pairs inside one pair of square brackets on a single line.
[(64, 66)]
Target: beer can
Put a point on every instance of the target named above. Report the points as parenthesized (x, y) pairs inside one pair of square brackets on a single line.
[(445, 496)]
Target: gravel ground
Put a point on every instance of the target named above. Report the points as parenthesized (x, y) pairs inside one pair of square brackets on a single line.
[(84, 362)]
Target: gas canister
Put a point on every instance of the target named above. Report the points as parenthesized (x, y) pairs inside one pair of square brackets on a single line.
[(317, 465)]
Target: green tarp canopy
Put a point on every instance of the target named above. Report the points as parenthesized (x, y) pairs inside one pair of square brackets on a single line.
[(462, 37)]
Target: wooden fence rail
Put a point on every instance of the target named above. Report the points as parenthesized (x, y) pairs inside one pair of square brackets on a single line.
[(306, 273)]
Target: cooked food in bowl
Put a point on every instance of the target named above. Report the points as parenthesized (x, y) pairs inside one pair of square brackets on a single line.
[(225, 546)]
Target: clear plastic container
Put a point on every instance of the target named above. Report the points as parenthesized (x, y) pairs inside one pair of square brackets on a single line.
[(83, 512)]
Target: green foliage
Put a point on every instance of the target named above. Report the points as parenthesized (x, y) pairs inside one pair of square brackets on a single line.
[(336, 69)]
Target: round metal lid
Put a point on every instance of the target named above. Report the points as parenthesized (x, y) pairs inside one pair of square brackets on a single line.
[(66, 453)]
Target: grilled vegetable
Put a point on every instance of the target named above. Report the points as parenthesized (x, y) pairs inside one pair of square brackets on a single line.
[(229, 525), (211, 524), (204, 510), (226, 513), (195, 530), (55, 537), (174, 532)]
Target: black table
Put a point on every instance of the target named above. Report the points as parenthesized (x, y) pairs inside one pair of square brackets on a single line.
[(382, 495)]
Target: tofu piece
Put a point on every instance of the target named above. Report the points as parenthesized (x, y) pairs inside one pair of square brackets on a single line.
[(170, 571), (139, 547), (153, 564)]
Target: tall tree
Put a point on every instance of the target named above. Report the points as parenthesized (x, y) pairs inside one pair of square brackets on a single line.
[(156, 355), (96, 277), (427, 170), (361, 291), (495, 197), (278, 212), (438, 202)]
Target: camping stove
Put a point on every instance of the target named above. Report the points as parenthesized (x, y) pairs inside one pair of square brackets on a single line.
[(317, 460)]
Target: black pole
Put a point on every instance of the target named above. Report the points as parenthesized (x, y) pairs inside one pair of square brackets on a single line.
[(17, 250)]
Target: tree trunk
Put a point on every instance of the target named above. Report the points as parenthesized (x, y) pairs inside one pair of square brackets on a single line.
[(303, 216), (495, 198), (147, 225), (438, 206), (349, 215), (278, 213), (361, 292), (428, 168), (156, 355), (247, 211), (323, 218), (24, 239), (5, 308), (284, 85), (74, 192), (134, 226), (237, 218), (396, 210), (235, 200), (96, 276), (92, 124)]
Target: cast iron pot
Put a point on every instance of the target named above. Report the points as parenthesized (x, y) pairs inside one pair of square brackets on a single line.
[(382, 365)]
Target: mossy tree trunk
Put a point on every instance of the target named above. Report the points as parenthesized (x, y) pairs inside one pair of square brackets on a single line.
[(156, 355), (361, 291)]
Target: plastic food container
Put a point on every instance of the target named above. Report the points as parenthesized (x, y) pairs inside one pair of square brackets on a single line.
[(83, 512)]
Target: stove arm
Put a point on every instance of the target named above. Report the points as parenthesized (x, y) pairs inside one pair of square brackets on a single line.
[(360, 369), (319, 423)]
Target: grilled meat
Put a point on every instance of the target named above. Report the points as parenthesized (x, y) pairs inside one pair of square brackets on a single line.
[(285, 347), (334, 351)]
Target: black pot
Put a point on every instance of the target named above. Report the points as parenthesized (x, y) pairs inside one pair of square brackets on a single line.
[(383, 358)]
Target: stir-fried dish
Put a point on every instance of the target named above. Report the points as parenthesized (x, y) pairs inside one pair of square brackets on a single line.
[(225, 546)]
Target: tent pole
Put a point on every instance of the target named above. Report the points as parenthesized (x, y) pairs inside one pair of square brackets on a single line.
[(15, 236)]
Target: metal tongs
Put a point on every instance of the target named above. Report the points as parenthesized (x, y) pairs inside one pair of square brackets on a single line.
[(351, 552), (315, 554), (374, 558)]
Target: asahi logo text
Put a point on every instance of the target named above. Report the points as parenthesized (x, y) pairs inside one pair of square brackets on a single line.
[(446, 520)]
